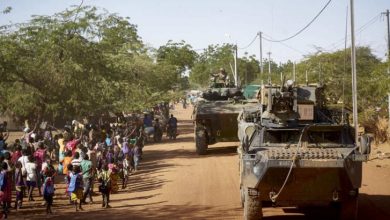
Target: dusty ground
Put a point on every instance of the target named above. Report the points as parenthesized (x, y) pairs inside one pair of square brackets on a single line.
[(175, 183)]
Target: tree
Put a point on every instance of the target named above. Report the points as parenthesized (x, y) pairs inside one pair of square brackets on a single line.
[(210, 61), (181, 56), (77, 63)]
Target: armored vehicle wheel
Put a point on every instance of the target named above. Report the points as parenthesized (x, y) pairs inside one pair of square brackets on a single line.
[(252, 207), (348, 209), (242, 195), (201, 141)]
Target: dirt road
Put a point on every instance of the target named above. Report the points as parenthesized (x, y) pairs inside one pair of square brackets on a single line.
[(175, 183)]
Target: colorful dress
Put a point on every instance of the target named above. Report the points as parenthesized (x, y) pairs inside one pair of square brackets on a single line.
[(76, 187), (6, 187), (114, 177), (19, 184)]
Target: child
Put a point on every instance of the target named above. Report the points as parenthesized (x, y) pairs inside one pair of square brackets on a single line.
[(17, 154), (69, 169), (9, 184), (76, 187), (105, 185), (67, 160), (31, 169), (48, 191), (39, 156), (114, 176), (4, 194), (47, 168), (19, 185), (125, 170), (137, 156)]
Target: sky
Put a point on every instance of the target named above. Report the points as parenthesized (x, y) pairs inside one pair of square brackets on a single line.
[(204, 22)]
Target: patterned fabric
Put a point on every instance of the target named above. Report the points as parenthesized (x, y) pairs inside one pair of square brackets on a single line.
[(114, 182), (77, 194)]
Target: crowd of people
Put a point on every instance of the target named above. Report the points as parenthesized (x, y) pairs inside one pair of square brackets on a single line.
[(84, 155)]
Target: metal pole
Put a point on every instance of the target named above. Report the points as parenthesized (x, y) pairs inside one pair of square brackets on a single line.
[(353, 66), (294, 77), (389, 112), (307, 79), (388, 35), (269, 67), (235, 66), (261, 53), (319, 74)]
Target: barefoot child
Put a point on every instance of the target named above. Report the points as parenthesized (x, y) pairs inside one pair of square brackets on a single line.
[(125, 170), (105, 185), (48, 192), (31, 169), (76, 187), (19, 185), (3, 190)]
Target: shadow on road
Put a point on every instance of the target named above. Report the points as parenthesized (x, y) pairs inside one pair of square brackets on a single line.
[(225, 151), (370, 207), (188, 154), (374, 206), (308, 213), (185, 211)]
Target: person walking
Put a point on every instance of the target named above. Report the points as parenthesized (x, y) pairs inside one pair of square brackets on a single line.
[(48, 191), (105, 185), (31, 169), (87, 172), (19, 185), (76, 188)]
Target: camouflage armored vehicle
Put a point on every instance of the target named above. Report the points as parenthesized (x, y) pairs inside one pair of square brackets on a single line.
[(296, 151), (215, 115)]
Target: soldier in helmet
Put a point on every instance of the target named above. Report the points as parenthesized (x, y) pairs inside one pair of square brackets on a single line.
[(220, 77)]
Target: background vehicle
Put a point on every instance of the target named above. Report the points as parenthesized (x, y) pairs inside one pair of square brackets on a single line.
[(215, 116)]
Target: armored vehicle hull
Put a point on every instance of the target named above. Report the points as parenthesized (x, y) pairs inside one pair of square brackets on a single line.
[(292, 152), (216, 121)]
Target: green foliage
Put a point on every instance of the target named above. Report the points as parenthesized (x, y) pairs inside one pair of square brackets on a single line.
[(76, 63), (248, 69), (179, 55), (210, 61)]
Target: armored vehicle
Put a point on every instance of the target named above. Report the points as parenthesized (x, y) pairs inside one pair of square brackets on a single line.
[(215, 115), (294, 150)]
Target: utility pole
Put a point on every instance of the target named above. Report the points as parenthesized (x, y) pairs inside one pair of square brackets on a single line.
[(306, 79), (388, 129), (353, 66), (235, 66), (269, 68), (261, 52), (386, 13), (388, 56), (294, 76)]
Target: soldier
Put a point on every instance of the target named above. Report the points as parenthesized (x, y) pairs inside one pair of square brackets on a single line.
[(220, 77)]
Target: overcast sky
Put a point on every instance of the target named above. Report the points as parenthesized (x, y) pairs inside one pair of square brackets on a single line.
[(204, 22)]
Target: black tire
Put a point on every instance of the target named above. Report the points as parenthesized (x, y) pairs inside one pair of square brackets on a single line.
[(252, 207), (242, 196), (348, 209), (201, 141)]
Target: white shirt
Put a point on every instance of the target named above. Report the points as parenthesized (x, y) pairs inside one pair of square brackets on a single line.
[(31, 169), (23, 160), (44, 165), (76, 162)]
